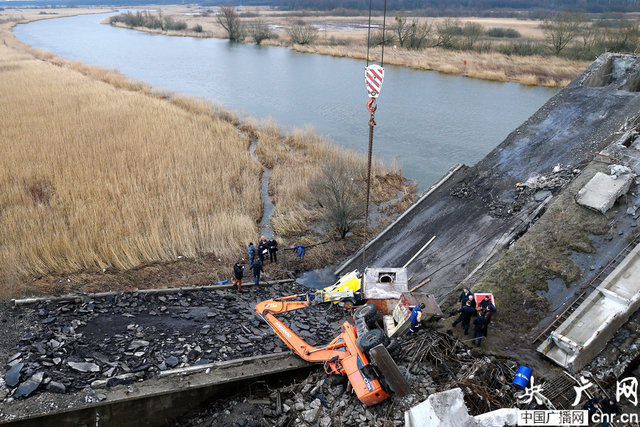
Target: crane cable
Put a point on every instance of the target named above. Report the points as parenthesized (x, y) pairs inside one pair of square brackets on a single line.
[(373, 80)]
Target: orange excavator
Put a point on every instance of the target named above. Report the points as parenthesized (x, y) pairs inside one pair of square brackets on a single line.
[(347, 354)]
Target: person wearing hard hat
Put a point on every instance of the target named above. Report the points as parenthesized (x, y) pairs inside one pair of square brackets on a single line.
[(416, 318)]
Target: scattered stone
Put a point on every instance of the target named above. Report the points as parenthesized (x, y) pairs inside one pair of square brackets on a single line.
[(84, 366), (136, 344), (172, 361), (56, 387), (29, 386), (311, 415), (13, 375)]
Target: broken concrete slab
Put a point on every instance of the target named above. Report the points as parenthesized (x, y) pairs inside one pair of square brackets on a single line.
[(602, 191), (444, 409), (29, 386), (586, 332), (447, 409), (499, 417)]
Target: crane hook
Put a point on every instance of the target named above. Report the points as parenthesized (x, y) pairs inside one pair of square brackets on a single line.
[(371, 105)]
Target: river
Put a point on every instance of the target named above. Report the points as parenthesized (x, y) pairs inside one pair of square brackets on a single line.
[(426, 121)]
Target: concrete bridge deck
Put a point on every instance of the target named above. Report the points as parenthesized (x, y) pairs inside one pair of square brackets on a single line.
[(477, 210)]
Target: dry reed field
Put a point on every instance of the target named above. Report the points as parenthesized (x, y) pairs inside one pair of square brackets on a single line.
[(93, 176), (527, 70), (101, 173)]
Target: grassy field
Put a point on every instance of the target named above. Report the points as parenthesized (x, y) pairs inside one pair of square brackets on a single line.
[(346, 37), (100, 173)]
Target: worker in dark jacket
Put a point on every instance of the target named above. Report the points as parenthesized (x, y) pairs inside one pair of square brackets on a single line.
[(591, 406), (464, 297), (610, 409), (273, 250), (479, 326), (415, 318), (238, 272), (487, 308), (257, 269), (252, 253), (465, 317), (262, 249)]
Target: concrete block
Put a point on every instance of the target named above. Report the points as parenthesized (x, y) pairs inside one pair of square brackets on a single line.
[(602, 191), (586, 332), (499, 417), (444, 409), (447, 409)]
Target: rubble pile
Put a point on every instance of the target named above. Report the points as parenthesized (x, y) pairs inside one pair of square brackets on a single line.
[(621, 356), (433, 361), (536, 188), (118, 339)]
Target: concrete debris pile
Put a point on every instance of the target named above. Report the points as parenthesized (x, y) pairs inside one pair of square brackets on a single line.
[(621, 356), (127, 337), (536, 188), (434, 362)]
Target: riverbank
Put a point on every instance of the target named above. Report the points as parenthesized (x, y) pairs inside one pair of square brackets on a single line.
[(109, 184), (346, 37)]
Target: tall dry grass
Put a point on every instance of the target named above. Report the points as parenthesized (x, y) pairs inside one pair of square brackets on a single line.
[(297, 160), (528, 70), (93, 176)]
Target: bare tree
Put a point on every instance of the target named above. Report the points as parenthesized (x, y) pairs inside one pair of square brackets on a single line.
[(412, 35), (401, 29), (229, 19), (560, 30), (471, 32), (302, 33), (447, 31), (336, 191), (260, 31)]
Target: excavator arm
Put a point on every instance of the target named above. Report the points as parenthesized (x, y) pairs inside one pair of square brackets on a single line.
[(340, 356)]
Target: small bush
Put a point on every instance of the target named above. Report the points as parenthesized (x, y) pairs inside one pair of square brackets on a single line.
[(148, 20), (521, 48), (197, 28), (336, 41), (302, 33), (502, 33), (376, 38)]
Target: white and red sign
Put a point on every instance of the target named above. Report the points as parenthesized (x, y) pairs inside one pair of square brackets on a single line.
[(373, 75)]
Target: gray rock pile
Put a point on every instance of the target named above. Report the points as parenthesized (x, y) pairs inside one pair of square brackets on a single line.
[(119, 339), (435, 362)]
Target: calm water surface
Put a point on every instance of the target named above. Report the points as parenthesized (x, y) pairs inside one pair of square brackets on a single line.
[(426, 121)]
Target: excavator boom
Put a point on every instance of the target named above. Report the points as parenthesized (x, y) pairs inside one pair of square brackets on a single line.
[(341, 356)]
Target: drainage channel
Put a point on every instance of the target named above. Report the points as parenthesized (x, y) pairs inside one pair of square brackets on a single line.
[(163, 399), (267, 204)]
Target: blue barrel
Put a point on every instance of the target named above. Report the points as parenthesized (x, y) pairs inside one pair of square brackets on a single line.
[(521, 380)]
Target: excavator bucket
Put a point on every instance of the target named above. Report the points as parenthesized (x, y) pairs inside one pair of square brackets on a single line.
[(383, 360)]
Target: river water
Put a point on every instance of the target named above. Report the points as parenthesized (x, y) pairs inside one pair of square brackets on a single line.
[(426, 121)]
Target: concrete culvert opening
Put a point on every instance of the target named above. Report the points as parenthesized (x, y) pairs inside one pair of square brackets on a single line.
[(387, 277), (613, 69)]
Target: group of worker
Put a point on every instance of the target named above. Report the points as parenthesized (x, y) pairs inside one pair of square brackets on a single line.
[(609, 407), (266, 248), (469, 307)]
